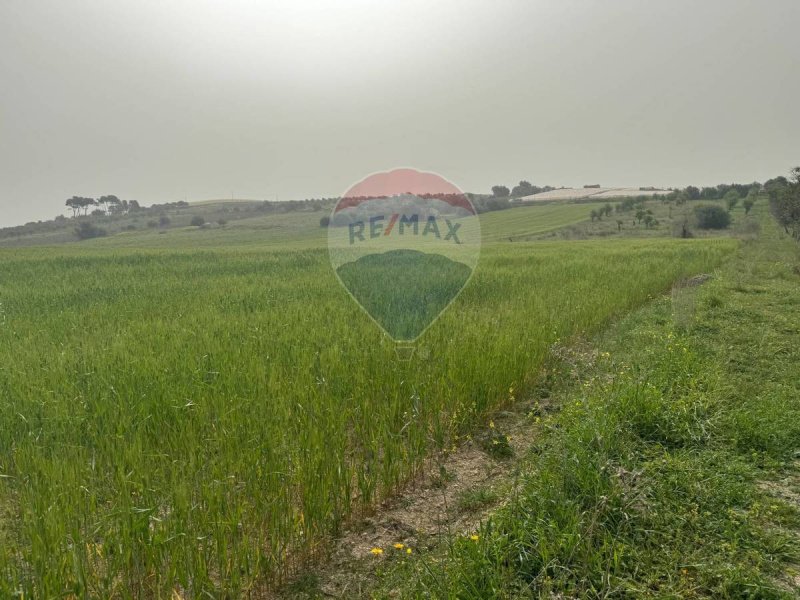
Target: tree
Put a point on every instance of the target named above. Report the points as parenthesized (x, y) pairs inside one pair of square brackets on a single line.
[(748, 204), (692, 193), (607, 209), (87, 202), (500, 191), (497, 204), (712, 217), (75, 205), (325, 221), (114, 204), (197, 221), (640, 214), (596, 215), (732, 199), (525, 188), (785, 201), (710, 193), (650, 221), (79, 203), (619, 224)]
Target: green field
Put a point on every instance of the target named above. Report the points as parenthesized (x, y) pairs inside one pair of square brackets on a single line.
[(200, 410), (664, 463), (300, 230)]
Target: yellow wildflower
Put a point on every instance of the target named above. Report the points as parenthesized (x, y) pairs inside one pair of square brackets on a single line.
[(377, 551), (474, 537), (399, 546)]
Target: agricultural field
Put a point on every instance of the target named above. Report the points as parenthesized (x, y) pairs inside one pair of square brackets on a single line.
[(301, 229), (659, 460), (599, 193), (209, 406)]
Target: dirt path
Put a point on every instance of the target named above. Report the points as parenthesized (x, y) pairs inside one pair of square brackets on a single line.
[(451, 498)]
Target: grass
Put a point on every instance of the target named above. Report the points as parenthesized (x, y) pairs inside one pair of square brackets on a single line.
[(476, 499), (661, 475), (201, 416), (521, 223), (293, 230), (669, 216)]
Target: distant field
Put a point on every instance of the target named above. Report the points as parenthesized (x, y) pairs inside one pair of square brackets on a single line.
[(516, 224), (190, 410), (592, 193), (295, 230)]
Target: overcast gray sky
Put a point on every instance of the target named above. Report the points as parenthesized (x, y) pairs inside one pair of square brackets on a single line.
[(161, 100)]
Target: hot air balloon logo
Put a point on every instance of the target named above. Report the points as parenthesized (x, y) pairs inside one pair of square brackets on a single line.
[(404, 243)]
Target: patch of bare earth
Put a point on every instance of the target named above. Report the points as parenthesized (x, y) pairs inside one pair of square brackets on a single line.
[(438, 503)]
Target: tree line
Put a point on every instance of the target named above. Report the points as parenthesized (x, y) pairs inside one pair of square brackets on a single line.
[(106, 205), (522, 189)]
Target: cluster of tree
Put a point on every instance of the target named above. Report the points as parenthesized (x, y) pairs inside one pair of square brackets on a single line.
[(522, 189), (284, 206), (168, 205), (723, 191), (484, 204), (628, 204), (645, 216), (784, 198), (642, 215), (107, 205), (604, 211), (710, 216), (34, 227)]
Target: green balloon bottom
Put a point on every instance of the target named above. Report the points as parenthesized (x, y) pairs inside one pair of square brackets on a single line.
[(404, 290)]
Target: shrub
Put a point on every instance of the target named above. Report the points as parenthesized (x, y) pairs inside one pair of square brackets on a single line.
[(86, 231), (164, 221), (197, 221), (712, 217), (222, 222), (325, 221), (152, 224)]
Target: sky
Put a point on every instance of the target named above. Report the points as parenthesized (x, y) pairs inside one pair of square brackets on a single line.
[(165, 100)]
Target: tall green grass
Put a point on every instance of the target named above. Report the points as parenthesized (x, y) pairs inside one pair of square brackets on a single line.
[(667, 467), (199, 420)]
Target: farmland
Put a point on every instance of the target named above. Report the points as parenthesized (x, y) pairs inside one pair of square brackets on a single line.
[(660, 459), (201, 410)]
